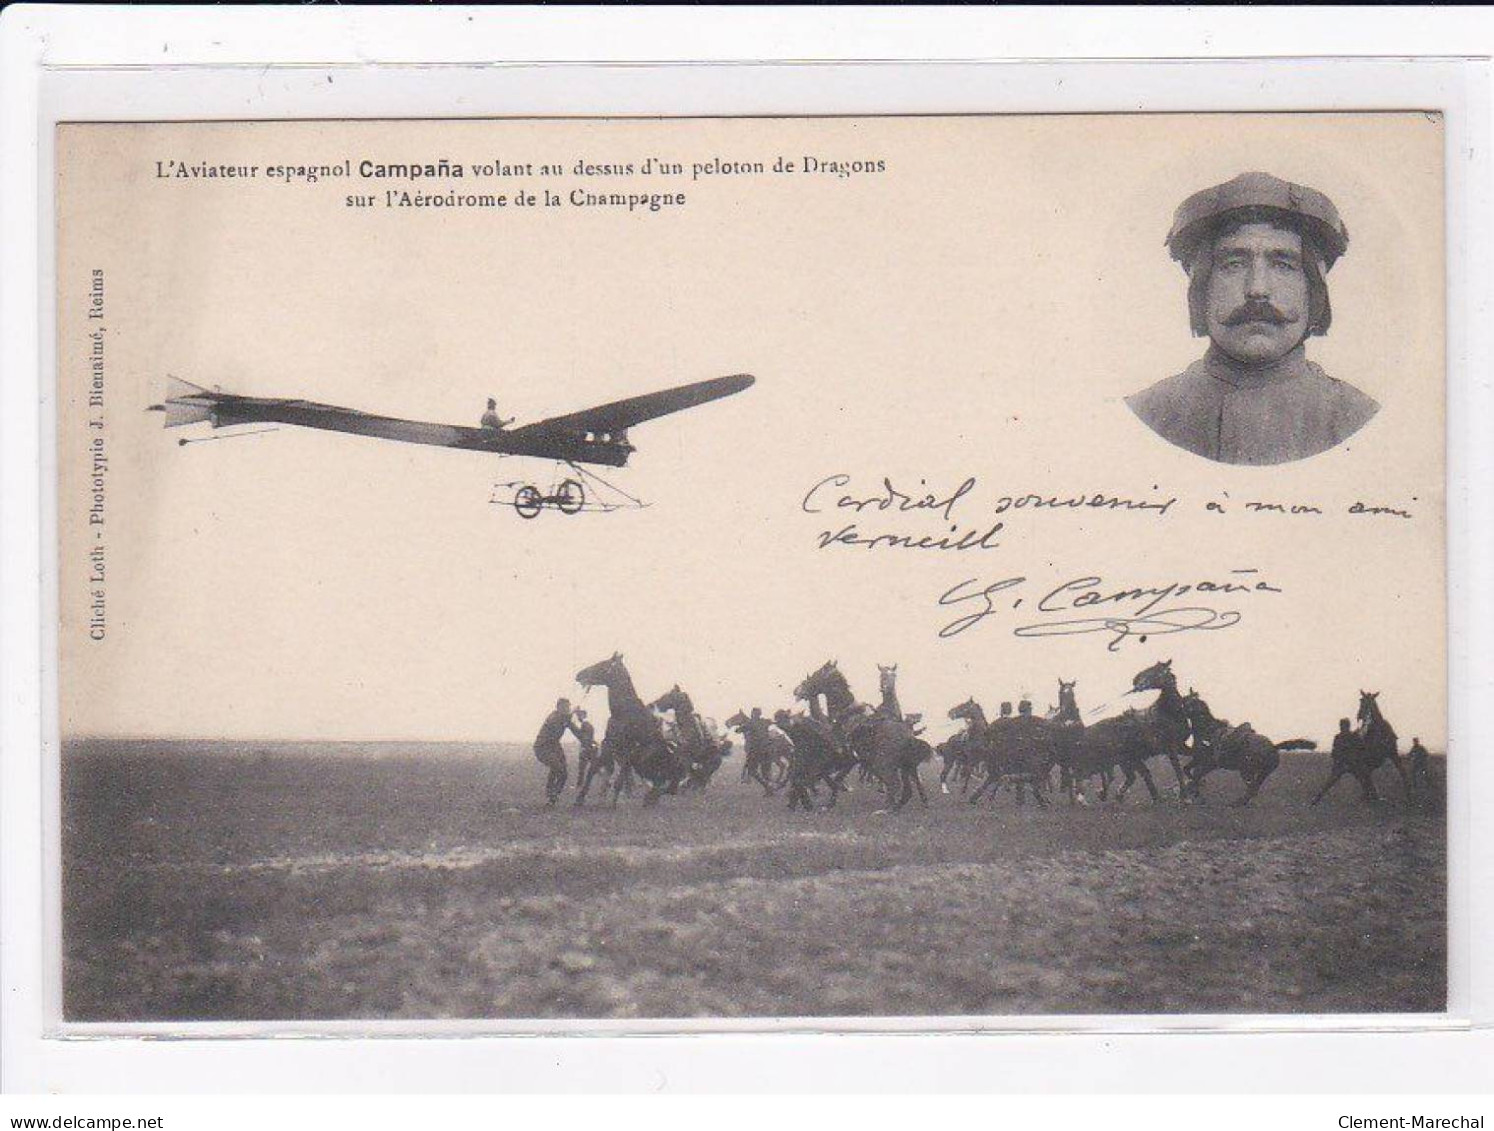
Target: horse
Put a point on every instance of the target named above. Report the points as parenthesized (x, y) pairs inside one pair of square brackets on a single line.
[(1012, 750), (887, 745), (893, 709), (1064, 726), (767, 751), (1126, 741), (634, 735), (701, 748), (887, 682), (955, 752), (1364, 750), (817, 756), (1219, 746)]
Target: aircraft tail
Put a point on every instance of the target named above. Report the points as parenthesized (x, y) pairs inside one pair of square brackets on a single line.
[(185, 403)]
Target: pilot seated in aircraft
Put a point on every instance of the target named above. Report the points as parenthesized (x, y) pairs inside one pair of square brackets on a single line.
[(490, 419)]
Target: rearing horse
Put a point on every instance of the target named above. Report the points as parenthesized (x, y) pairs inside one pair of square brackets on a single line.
[(633, 736), (887, 745), (1371, 745), (1164, 727)]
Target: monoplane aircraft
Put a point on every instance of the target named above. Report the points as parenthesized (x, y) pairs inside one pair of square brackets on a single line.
[(592, 436)]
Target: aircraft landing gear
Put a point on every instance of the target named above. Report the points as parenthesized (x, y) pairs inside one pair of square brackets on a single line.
[(569, 498)]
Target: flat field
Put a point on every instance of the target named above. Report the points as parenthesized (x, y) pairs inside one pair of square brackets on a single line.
[(227, 881)]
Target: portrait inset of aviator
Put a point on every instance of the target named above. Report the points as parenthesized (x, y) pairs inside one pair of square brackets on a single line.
[(1257, 251)]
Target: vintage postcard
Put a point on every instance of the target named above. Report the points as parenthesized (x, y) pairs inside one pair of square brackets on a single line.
[(724, 569)]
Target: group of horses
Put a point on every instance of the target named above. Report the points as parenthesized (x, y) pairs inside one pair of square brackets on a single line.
[(672, 748)]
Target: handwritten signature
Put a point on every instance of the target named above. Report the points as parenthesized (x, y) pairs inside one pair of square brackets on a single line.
[(1119, 614)]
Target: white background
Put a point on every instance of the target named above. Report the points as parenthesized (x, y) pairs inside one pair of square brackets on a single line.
[(1095, 1061)]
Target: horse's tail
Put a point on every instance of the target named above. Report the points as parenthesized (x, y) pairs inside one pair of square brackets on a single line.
[(1297, 744)]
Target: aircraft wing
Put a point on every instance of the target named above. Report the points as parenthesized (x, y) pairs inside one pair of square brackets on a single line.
[(623, 414), (559, 438), (187, 403)]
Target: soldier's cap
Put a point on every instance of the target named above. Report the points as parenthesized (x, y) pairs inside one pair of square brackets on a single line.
[(1203, 213)]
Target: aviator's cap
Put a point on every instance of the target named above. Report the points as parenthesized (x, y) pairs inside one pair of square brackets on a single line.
[(1201, 214)]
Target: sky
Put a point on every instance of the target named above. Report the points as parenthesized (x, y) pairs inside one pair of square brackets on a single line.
[(975, 309)]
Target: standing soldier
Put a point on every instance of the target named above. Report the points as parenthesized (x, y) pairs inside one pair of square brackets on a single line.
[(1420, 775), (548, 750)]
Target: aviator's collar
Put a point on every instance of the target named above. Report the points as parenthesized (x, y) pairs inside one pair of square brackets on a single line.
[(1224, 368)]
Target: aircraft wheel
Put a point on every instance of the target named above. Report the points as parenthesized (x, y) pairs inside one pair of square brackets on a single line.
[(570, 497), (528, 502)]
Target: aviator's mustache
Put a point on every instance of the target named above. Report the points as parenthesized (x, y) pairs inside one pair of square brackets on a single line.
[(1256, 310)]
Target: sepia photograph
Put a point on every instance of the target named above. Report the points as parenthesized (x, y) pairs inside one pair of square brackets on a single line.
[(1257, 251), (726, 570)]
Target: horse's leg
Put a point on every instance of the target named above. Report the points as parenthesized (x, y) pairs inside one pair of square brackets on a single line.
[(1126, 785), (1146, 776), (904, 778), (1333, 777), (623, 779), (837, 777), (980, 790), (762, 780), (1400, 768), (1253, 786), (918, 783), (891, 783), (1196, 775), (1177, 769), (1367, 785)]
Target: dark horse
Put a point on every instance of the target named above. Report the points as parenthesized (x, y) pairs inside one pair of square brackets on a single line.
[(1363, 751), (1017, 751), (1065, 728), (886, 744), (1219, 746), (956, 752), (767, 751), (700, 747), (817, 756), (1128, 740), (634, 735)]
